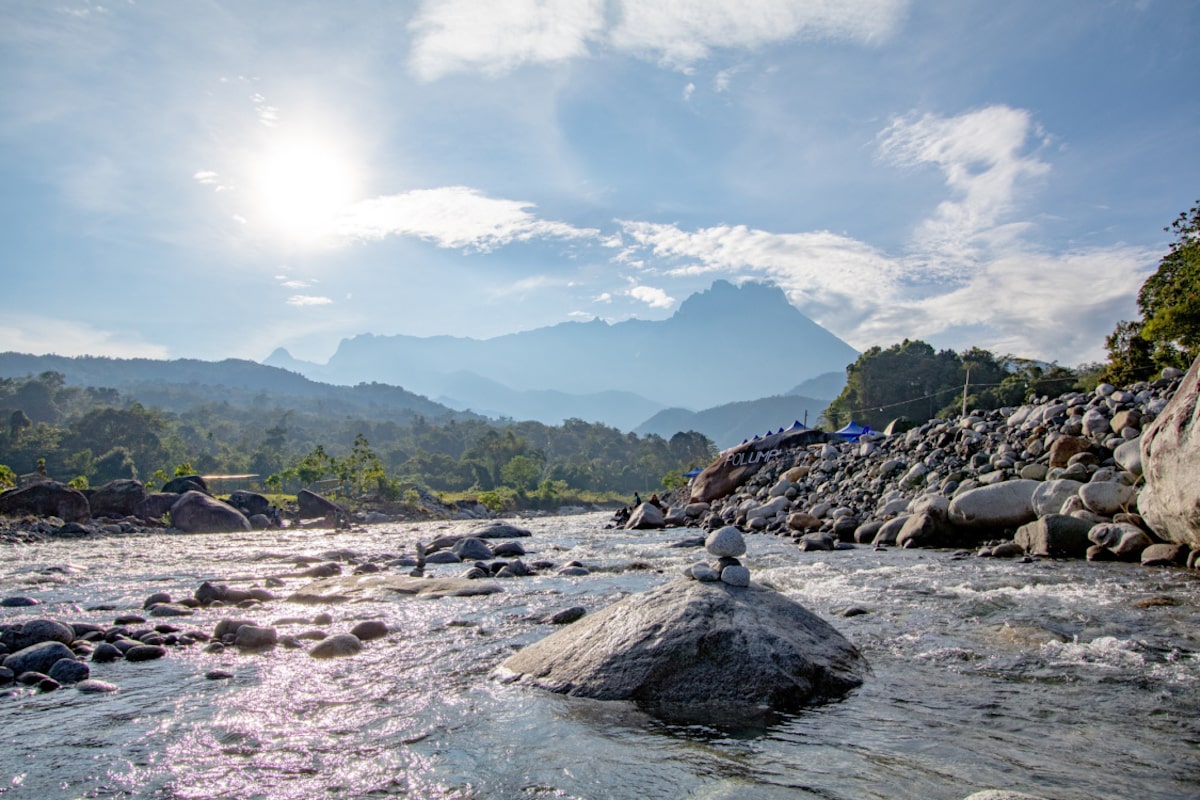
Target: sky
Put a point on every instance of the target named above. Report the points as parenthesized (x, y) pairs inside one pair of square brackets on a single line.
[(217, 179)]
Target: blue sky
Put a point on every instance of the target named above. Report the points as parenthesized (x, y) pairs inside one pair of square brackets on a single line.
[(216, 179)]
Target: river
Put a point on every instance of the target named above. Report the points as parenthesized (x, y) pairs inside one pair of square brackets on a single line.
[(1060, 679)]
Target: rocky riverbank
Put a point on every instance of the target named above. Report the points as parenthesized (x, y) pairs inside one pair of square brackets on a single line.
[(1059, 476)]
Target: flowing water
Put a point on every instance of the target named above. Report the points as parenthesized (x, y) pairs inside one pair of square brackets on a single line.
[(1060, 679)]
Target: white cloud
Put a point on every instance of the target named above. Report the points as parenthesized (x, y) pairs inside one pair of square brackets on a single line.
[(651, 296), (494, 38), (604, 297), (688, 91), (26, 333), (295, 284), (685, 31), (960, 261), (303, 300), (981, 154), (453, 217), (460, 35)]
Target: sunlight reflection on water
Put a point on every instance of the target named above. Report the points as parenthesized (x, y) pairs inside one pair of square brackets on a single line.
[(1044, 677)]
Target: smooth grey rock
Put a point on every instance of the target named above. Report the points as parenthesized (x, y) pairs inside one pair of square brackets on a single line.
[(735, 575), (1049, 497), (106, 652), (253, 637), (36, 631), (18, 602), (696, 649), (196, 512), (500, 530), (339, 646), (472, 549), (646, 517), (39, 657), (370, 629), (1106, 498), (1158, 555), (1055, 536), (726, 541), (68, 670), (508, 550), (567, 616), (93, 686), (145, 652), (1002, 505)]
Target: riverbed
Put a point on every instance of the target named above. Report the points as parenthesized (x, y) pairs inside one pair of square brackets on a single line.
[(1060, 679)]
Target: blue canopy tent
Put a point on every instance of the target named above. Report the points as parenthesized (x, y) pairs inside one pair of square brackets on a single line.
[(852, 431), (691, 473)]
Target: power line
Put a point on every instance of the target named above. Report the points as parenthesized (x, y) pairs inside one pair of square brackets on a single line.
[(958, 388)]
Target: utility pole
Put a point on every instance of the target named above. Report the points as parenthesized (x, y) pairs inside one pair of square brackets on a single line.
[(965, 385)]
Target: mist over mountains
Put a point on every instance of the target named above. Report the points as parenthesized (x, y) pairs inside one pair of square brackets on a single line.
[(727, 345)]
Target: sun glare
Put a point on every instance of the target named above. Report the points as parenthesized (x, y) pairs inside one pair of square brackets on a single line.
[(299, 188)]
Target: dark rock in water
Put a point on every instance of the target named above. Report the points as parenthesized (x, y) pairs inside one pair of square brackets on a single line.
[(117, 498), (184, 484), (105, 652), (18, 602), (218, 674), (196, 512), (693, 648), (68, 670), (443, 557), (508, 550), (344, 644), (567, 616), (370, 629), (39, 657), (145, 652), (252, 637), (7, 676), (155, 599), (48, 684), (472, 549), (500, 530), (46, 499), (693, 541), (311, 505), (36, 631)]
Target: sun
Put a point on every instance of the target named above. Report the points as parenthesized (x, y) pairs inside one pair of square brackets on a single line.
[(300, 186)]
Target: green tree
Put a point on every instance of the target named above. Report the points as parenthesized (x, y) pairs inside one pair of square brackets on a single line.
[(8, 478), (1170, 298), (521, 472), (1168, 334)]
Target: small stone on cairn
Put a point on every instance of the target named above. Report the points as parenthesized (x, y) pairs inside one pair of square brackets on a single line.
[(726, 544)]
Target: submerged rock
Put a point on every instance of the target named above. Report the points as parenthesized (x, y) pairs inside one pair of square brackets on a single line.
[(692, 648)]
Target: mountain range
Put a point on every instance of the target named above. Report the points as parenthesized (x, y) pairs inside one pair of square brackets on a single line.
[(731, 362), (726, 345)]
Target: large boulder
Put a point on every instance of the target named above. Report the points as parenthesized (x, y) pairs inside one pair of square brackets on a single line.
[(738, 464), (36, 631), (311, 505), (46, 499), (1056, 536), (250, 503), (1170, 501), (1048, 498), (38, 657), (196, 512), (696, 649), (117, 498), (186, 483), (646, 516), (155, 505), (1001, 505)]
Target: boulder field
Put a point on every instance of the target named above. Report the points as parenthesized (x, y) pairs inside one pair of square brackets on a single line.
[(1102, 475)]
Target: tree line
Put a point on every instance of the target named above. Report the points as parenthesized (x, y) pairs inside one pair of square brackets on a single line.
[(92, 435)]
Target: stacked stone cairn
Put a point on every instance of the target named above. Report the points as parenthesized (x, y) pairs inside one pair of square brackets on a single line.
[(1057, 476), (725, 544)]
